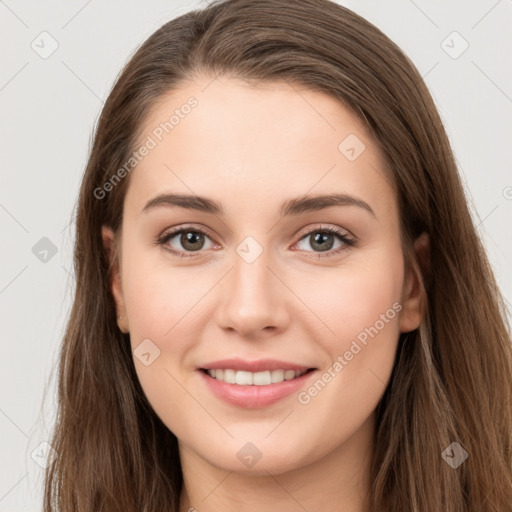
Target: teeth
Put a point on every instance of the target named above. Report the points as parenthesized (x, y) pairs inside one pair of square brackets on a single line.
[(264, 378)]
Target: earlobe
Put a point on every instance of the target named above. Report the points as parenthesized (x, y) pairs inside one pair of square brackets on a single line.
[(115, 284), (414, 293)]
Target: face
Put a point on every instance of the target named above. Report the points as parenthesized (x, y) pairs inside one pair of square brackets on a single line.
[(262, 273)]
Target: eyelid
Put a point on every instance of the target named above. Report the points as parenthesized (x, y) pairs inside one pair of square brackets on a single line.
[(322, 227), (200, 228)]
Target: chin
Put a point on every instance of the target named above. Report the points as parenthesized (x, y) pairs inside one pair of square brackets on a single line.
[(256, 458)]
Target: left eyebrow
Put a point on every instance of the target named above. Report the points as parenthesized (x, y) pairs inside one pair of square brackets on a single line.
[(294, 206), (319, 202)]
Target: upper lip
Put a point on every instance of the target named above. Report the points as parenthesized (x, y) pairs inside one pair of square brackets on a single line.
[(253, 366)]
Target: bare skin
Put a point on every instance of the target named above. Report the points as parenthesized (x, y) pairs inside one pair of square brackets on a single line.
[(251, 149)]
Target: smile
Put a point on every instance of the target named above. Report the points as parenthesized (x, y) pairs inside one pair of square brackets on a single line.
[(252, 390), (263, 378)]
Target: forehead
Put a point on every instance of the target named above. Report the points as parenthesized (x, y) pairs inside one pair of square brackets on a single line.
[(255, 145)]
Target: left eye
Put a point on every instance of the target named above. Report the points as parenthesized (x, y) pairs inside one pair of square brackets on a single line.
[(324, 239), (193, 240)]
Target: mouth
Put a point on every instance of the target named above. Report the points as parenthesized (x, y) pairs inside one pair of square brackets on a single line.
[(261, 378), (255, 389)]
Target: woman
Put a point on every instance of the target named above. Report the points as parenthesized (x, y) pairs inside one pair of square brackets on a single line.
[(282, 302)]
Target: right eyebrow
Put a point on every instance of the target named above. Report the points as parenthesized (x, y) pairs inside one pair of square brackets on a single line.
[(202, 204)]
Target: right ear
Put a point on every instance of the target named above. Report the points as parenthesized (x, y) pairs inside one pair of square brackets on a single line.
[(115, 285)]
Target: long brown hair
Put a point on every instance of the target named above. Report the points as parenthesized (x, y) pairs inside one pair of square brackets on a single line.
[(452, 379)]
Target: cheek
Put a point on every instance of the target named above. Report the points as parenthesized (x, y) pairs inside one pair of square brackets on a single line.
[(151, 305), (362, 307), (159, 303), (158, 296), (353, 298)]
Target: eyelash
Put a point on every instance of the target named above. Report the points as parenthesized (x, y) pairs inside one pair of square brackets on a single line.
[(347, 241)]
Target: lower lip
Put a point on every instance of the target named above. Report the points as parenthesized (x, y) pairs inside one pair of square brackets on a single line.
[(253, 396)]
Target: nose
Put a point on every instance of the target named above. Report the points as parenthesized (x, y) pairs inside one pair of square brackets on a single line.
[(253, 300)]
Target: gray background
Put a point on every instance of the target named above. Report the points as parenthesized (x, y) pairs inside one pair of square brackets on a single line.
[(50, 105)]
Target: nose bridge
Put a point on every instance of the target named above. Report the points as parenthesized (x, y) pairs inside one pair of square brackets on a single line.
[(251, 281), (252, 299)]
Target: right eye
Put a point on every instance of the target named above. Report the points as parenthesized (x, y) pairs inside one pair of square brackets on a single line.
[(190, 239)]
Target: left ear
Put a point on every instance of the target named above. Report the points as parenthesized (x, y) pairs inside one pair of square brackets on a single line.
[(413, 292)]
